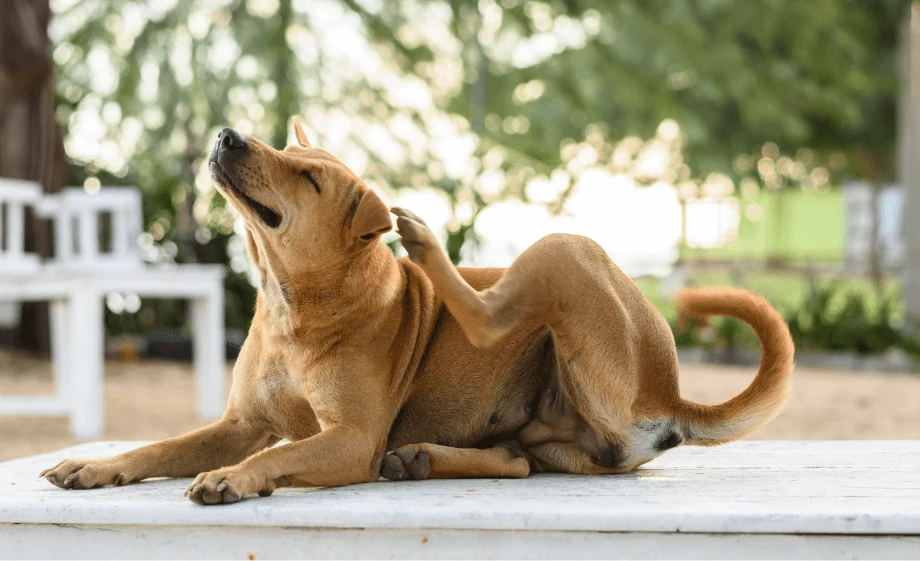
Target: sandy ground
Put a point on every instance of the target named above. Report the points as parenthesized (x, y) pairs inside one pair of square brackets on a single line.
[(151, 400)]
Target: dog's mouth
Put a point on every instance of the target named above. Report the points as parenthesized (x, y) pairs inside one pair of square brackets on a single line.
[(271, 218)]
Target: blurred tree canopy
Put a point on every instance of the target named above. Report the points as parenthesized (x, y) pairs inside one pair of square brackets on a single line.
[(143, 88), (819, 75)]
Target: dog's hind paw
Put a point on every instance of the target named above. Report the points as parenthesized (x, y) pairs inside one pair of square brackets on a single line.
[(405, 463), (417, 237)]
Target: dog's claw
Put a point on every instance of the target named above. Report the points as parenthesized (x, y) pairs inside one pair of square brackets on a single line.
[(404, 213)]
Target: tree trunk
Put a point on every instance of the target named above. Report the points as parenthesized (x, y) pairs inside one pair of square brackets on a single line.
[(909, 140), (32, 145)]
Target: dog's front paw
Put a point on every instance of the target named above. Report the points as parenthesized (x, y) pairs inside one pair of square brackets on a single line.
[(86, 474), (406, 463), (417, 237), (227, 485)]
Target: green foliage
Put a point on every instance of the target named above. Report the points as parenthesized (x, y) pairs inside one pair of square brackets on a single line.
[(182, 71), (838, 315), (817, 75), (838, 319), (820, 74), (687, 334)]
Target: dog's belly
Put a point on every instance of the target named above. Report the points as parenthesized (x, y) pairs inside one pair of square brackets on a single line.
[(468, 397)]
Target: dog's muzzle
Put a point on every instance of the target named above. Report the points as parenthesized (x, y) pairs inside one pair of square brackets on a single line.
[(229, 148), (230, 145)]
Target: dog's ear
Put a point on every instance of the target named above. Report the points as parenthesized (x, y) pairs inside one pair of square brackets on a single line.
[(298, 131), (371, 217)]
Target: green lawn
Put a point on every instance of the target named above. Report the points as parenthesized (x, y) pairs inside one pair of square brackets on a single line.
[(800, 227), (795, 225)]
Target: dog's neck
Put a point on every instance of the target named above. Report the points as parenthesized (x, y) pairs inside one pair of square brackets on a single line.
[(323, 308)]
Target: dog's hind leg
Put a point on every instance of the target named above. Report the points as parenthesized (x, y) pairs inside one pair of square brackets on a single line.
[(612, 346), (433, 461), (484, 316)]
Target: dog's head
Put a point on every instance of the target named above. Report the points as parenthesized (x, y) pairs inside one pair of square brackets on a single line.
[(304, 210)]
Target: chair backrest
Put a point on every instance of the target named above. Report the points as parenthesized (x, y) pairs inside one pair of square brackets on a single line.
[(81, 241), (15, 196)]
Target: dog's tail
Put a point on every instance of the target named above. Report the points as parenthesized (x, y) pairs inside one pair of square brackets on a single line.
[(708, 425)]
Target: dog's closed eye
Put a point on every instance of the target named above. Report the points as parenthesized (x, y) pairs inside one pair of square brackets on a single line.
[(309, 177)]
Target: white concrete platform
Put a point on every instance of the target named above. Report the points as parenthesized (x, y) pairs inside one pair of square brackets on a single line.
[(744, 500)]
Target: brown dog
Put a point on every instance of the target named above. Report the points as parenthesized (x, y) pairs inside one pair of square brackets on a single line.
[(412, 368)]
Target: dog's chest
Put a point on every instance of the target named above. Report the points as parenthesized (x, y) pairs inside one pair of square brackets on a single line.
[(278, 383), (282, 398)]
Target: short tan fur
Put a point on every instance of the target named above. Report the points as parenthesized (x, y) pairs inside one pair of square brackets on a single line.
[(412, 368)]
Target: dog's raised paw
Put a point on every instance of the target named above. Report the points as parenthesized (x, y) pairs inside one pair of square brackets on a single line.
[(405, 463), (417, 237)]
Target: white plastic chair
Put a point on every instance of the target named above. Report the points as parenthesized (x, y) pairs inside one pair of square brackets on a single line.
[(76, 215), (76, 281), (20, 280), (15, 196)]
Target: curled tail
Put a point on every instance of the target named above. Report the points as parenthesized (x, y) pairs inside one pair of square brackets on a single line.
[(707, 425)]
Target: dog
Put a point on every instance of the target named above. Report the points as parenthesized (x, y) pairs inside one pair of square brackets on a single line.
[(373, 366)]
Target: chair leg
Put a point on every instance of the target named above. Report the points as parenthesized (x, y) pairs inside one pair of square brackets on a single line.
[(85, 362), (59, 349), (208, 321)]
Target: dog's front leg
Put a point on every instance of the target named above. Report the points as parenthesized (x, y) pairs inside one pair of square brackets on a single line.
[(340, 455), (352, 414), (223, 443)]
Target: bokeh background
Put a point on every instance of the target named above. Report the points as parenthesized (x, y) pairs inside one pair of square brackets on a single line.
[(762, 144)]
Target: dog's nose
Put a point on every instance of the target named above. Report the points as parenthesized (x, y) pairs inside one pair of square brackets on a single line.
[(229, 139)]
